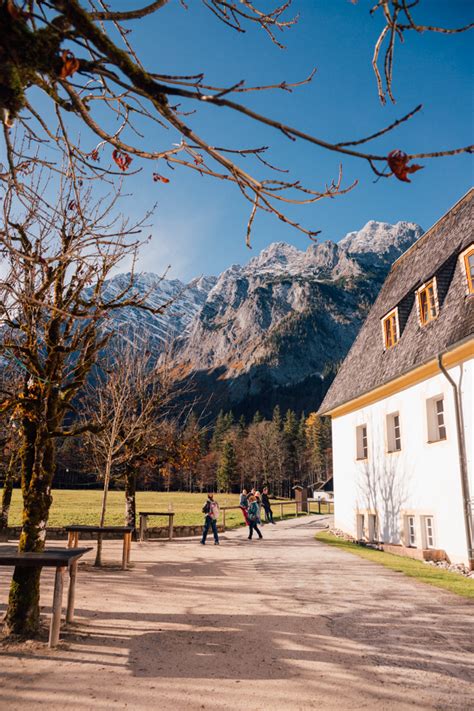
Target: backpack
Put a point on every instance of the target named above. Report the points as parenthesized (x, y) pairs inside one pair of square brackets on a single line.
[(206, 508), (253, 511)]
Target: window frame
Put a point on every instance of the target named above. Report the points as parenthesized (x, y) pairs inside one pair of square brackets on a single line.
[(388, 318), (372, 527), (464, 257), (362, 443), (360, 526), (425, 532), (410, 531), (434, 426), (393, 438), (421, 290)]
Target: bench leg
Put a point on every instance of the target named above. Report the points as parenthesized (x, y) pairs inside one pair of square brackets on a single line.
[(71, 595), (57, 608), (72, 539), (129, 546), (142, 528), (125, 552), (171, 527)]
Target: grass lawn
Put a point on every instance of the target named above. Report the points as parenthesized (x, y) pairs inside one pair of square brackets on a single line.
[(413, 568), (72, 506)]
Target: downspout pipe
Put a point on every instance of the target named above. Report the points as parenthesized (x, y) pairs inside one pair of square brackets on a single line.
[(468, 525)]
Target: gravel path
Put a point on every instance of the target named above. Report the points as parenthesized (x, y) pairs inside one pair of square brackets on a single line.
[(283, 623)]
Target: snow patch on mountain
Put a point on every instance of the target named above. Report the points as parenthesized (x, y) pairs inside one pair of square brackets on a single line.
[(180, 303)]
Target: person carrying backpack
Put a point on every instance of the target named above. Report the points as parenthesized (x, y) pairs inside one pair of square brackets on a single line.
[(244, 504), (254, 517), (211, 514)]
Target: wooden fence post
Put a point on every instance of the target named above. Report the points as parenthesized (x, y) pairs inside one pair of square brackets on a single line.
[(223, 518), (57, 608), (71, 595)]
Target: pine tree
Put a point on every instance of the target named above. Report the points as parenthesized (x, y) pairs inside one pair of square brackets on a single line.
[(290, 431), (227, 468), (318, 442), (257, 418), (276, 417), (220, 428)]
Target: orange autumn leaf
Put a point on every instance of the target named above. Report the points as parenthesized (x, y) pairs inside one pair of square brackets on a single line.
[(70, 64), (122, 159), (161, 178), (398, 164)]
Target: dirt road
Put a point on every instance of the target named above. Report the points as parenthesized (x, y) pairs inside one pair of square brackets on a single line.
[(283, 623)]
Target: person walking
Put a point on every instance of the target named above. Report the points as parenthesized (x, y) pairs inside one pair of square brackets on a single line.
[(254, 518), (266, 506), (244, 504), (211, 514)]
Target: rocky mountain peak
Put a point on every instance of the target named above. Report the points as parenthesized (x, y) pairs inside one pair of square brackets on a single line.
[(277, 254), (381, 238)]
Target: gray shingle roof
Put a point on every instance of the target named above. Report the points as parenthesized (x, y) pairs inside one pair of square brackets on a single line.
[(367, 364)]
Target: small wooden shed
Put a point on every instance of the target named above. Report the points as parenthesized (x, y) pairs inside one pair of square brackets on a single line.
[(301, 497)]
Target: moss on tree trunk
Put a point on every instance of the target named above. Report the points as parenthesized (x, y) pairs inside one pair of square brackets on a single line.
[(37, 458), (130, 497), (10, 478)]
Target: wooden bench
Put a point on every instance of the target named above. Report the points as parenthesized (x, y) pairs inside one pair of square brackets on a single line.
[(59, 558), (74, 531), (143, 535)]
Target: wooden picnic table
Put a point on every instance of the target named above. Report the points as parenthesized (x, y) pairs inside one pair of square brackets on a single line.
[(59, 558), (144, 522), (126, 531)]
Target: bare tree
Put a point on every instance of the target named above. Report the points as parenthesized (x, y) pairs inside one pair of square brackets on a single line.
[(10, 383), (57, 256), (399, 19), (81, 58), (128, 395)]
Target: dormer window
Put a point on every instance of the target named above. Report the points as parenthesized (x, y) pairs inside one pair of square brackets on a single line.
[(468, 261), (391, 329), (427, 300)]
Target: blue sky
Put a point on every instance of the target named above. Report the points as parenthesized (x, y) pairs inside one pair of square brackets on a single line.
[(199, 226)]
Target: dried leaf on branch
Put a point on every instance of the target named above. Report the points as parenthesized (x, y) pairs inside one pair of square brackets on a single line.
[(398, 163)]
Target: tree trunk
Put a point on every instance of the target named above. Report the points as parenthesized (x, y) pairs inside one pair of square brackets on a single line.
[(10, 479), (103, 511), (130, 498), (37, 457)]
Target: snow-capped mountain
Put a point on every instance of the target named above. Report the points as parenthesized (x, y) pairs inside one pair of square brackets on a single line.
[(273, 330), (181, 303), (381, 239)]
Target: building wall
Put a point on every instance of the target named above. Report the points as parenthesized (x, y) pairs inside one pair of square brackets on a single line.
[(423, 479)]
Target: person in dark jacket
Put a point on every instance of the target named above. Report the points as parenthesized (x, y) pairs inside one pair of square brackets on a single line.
[(254, 517), (211, 513), (266, 506)]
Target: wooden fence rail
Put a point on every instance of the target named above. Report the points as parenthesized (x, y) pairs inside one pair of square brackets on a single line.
[(297, 506)]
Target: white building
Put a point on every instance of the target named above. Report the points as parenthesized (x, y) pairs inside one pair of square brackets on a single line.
[(402, 403)]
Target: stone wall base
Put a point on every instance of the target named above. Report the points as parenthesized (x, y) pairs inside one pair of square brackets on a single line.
[(417, 553)]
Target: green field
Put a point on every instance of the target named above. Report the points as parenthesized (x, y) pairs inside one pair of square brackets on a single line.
[(76, 506), (71, 506), (408, 566)]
